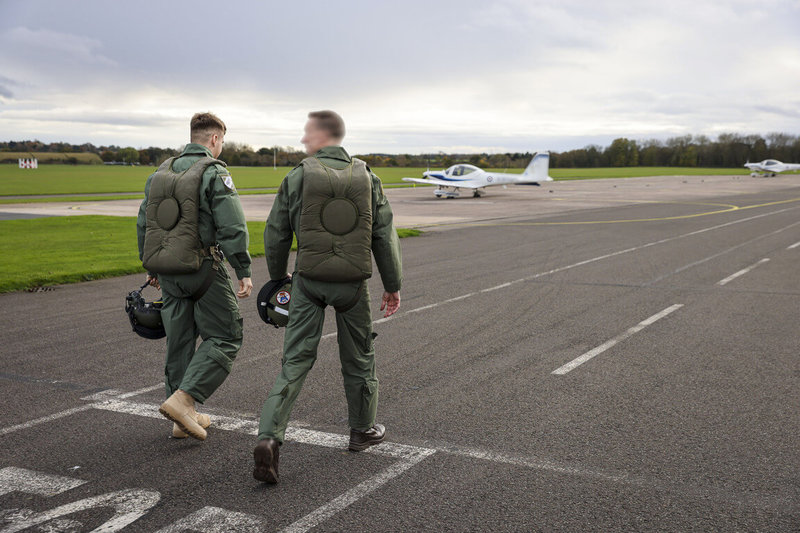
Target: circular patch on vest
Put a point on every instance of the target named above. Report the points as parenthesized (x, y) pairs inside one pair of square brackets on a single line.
[(339, 216), (168, 213), (283, 297)]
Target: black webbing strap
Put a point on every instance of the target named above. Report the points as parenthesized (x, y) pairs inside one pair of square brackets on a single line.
[(298, 283), (212, 273)]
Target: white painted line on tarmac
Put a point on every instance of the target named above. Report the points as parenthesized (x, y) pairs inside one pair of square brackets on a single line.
[(44, 419), (250, 427), (30, 482), (578, 361), (793, 246), (404, 452), (496, 287), (408, 455), (144, 390), (719, 254), (742, 272), (536, 464), (128, 505), (225, 423), (216, 520), (584, 262), (322, 513)]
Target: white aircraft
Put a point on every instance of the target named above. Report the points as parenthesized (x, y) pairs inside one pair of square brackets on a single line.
[(770, 167), (448, 182)]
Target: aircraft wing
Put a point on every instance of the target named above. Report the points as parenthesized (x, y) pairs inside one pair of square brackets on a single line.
[(444, 183)]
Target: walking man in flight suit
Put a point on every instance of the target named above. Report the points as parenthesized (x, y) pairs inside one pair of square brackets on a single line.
[(190, 216), (336, 208)]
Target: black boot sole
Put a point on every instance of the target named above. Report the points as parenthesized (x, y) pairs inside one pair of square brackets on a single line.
[(361, 446), (264, 470)]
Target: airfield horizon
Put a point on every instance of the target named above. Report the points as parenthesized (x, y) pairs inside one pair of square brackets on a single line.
[(90, 180)]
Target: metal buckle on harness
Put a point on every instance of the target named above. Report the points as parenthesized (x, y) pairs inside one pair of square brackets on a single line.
[(216, 253)]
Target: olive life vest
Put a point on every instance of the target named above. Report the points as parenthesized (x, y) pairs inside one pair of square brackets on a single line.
[(172, 242), (335, 234)]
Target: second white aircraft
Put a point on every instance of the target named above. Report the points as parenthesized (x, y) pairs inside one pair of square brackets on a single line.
[(448, 182), (770, 167)]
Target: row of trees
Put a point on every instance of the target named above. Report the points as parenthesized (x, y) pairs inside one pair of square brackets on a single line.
[(728, 150)]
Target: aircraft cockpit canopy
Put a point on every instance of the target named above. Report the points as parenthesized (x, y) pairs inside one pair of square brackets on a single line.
[(770, 162), (462, 170)]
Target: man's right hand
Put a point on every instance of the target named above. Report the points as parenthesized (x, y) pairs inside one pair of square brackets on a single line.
[(390, 302), (153, 281)]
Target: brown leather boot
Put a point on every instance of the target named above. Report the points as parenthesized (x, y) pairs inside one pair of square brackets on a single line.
[(180, 409), (202, 419), (361, 440), (266, 459)]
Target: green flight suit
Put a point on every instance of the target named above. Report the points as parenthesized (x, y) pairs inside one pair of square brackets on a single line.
[(214, 317), (355, 337)]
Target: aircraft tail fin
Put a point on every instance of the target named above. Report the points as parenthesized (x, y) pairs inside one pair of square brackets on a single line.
[(539, 167)]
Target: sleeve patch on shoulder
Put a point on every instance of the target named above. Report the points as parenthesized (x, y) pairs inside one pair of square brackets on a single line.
[(227, 179)]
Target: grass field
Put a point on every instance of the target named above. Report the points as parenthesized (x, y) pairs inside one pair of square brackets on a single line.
[(49, 251), (87, 179)]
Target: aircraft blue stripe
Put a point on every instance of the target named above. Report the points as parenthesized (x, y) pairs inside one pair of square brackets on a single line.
[(443, 178)]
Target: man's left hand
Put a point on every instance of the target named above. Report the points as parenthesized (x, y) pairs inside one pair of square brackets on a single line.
[(245, 287)]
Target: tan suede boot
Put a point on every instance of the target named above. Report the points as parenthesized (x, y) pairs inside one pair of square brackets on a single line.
[(203, 420), (180, 409)]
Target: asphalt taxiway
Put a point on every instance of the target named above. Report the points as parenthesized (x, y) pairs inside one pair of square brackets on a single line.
[(614, 360)]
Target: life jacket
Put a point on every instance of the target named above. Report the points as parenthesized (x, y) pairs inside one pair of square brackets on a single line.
[(172, 242), (335, 234)]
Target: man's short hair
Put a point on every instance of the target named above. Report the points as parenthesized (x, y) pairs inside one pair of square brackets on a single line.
[(203, 125), (329, 121)]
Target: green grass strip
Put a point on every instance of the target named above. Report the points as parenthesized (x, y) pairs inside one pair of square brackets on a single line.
[(41, 252), (87, 179)]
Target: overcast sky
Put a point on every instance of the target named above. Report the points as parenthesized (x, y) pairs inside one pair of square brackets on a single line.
[(409, 76)]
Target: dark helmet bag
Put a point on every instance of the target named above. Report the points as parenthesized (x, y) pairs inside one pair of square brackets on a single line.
[(273, 302), (145, 316)]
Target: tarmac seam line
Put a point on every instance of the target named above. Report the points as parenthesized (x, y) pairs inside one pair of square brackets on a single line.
[(44, 419), (591, 354)]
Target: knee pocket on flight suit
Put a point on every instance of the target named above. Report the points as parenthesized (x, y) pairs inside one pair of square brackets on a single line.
[(368, 392), (222, 359), (237, 325)]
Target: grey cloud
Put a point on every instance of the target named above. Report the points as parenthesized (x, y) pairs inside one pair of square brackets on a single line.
[(781, 111), (60, 45), (98, 117), (5, 83), (541, 68)]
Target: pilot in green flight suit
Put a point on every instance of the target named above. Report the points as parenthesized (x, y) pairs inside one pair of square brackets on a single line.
[(336, 207), (190, 212)]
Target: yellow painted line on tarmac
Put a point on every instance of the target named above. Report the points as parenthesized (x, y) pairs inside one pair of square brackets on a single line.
[(726, 208)]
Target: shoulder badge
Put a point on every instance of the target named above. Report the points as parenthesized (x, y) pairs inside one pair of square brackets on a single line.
[(227, 179)]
